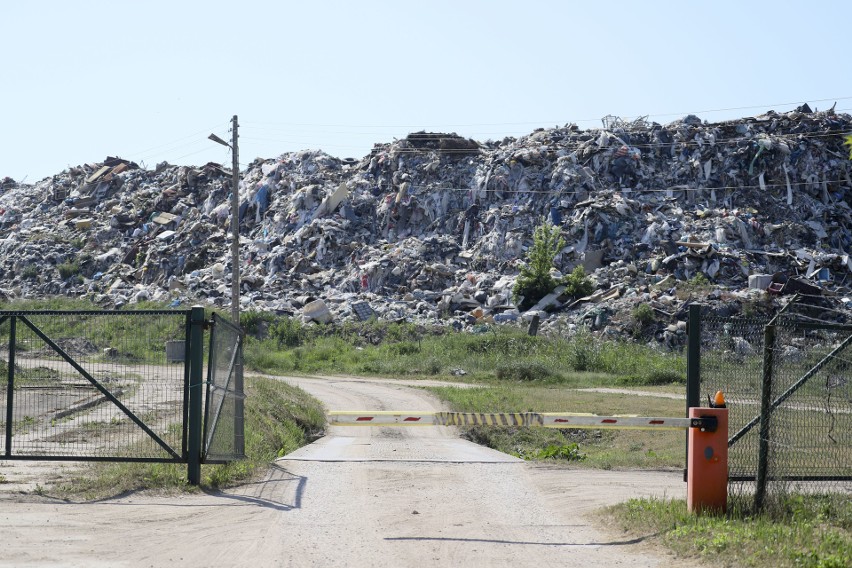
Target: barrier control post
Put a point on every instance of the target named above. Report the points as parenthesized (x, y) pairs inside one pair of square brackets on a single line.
[(707, 455)]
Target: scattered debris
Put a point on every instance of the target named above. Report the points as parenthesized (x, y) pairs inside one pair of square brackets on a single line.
[(433, 228)]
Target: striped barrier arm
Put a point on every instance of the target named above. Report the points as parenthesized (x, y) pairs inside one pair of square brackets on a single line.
[(570, 420), (485, 419), (380, 418), (546, 420)]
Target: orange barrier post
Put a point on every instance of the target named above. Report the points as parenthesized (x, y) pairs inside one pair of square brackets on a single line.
[(707, 456)]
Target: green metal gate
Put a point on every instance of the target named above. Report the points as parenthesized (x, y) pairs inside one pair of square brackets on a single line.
[(224, 439), (114, 386)]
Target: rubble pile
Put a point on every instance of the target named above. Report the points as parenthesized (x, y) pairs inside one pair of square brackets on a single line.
[(433, 228)]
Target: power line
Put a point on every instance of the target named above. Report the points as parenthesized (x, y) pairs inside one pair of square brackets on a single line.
[(541, 121), (555, 192), (174, 141), (680, 143), (687, 142)]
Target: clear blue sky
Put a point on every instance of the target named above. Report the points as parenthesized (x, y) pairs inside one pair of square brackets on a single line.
[(148, 81)]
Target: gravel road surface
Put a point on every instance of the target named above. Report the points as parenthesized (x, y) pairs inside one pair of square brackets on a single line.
[(361, 496)]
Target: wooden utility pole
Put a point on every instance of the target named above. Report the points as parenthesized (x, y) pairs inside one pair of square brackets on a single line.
[(235, 225)]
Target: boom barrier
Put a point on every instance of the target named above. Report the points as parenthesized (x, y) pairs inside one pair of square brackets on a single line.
[(528, 419), (707, 453)]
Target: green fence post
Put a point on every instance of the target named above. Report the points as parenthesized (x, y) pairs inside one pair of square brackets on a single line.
[(765, 413), (10, 387), (693, 367), (196, 384), (239, 403)]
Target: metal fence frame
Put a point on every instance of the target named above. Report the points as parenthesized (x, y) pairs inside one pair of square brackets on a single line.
[(195, 390)]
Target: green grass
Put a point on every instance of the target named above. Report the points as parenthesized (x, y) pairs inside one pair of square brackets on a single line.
[(385, 350), (811, 531), (279, 419), (136, 340)]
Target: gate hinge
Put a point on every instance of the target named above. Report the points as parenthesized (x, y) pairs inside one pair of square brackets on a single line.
[(705, 423)]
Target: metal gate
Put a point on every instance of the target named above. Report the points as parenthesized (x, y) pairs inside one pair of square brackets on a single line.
[(224, 439), (114, 386)]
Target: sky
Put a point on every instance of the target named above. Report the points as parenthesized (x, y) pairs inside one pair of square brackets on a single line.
[(149, 81)]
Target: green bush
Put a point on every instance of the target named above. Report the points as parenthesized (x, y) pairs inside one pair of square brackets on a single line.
[(504, 342), (577, 284), (68, 269), (30, 272), (535, 281), (568, 452), (287, 332), (523, 371), (404, 348), (583, 354), (643, 314), (255, 322)]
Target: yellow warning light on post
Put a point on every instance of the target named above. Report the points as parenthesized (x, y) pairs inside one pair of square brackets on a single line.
[(719, 400)]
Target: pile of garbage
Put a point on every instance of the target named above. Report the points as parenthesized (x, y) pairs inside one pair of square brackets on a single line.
[(434, 228)]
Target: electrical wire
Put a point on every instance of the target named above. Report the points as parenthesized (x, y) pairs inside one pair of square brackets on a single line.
[(683, 144), (175, 141), (553, 192), (548, 121)]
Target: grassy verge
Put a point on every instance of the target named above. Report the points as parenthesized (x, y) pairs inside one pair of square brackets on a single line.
[(812, 531), (279, 419), (492, 353)]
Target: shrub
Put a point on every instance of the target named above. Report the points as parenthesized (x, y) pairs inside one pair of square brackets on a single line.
[(30, 272), (287, 332), (577, 284), (523, 371), (643, 314), (256, 322), (583, 354), (68, 269), (568, 452), (535, 281), (404, 348)]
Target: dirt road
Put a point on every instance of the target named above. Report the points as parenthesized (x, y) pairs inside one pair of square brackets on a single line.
[(361, 496)]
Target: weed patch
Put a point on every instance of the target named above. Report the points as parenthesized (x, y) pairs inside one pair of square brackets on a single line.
[(811, 531)]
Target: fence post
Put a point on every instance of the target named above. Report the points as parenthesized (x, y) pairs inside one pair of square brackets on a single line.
[(693, 368), (10, 388), (239, 403), (765, 412), (196, 384)]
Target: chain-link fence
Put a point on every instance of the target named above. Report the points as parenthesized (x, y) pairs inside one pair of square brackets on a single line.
[(788, 383)]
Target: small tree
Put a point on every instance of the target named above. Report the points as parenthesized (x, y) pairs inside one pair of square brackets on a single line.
[(535, 281)]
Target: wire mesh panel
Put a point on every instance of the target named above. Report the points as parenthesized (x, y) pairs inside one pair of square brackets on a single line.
[(810, 413), (92, 385), (732, 361), (224, 436), (788, 383)]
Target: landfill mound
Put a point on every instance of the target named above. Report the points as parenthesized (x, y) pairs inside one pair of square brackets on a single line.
[(434, 228)]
